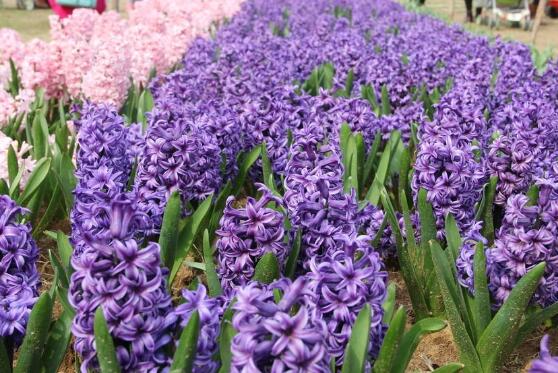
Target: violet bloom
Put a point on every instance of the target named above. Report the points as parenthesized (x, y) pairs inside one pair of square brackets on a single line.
[(19, 279), (179, 154), (344, 281), (126, 280), (511, 160), (314, 195), (277, 336), (370, 219), (245, 235), (210, 310), (526, 238), (104, 158), (546, 363), (452, 178)]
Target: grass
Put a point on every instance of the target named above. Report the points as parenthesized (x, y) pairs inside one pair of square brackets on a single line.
[(30, 24)]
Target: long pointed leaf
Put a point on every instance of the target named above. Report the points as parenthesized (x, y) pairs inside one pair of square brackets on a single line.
[(168, 238), (225, 338), (290, 268), (57, 343), (185, 354), (467, 352), (481, 303), (533, 321), (356, 352), (212, 279), (500, 335), (390, 345), (188, 234), (35, 180), (5, 360), (267, 269), (106, 353), (407, 255), (411, 339), (30, 352)]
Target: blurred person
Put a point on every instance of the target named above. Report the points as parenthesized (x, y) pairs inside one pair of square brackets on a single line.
[(132, 4), (64, 11), (469, 7)]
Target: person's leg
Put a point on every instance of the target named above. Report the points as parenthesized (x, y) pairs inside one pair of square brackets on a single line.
[(469, 7)]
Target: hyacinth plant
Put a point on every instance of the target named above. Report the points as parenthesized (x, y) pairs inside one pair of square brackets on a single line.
[(404, 151)]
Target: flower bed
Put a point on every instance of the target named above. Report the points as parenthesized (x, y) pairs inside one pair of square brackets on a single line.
[(291, 159)]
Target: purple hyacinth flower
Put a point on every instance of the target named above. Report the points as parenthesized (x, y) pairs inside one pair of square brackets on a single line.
[(210, 310), (277, 336), (19, 279), (115, 273), (344, 281), (245, 235), (546, 363)]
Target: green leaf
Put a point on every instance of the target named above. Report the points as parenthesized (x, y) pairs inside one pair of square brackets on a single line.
[(185, 354), (405, 254), (344, 136), (351, 172), (290, 268), (405, 164), (449, 368), (485, 212), (225, 338), (388, 351), (14, 185), (64, 250), (533, 194), (532, 322), (427, 220), (499, 337), (247, 161), (63, 279), (453, 306), (370, 161), (188, 234), (50, 212), (349, 83), (14, 79), (57, 343), (217, 211), (428, 232), (453, 239), (213, 284), (411, 339), (31, 350), (356, 352), (40, 136), (267, 171), (373, 195), (481, 303), (13, 166), (386, 105), (106, 353), (4, 189), (168, 238), (389, 303), (63, 170), (5, 359), (267, 269), (35, 180), (367, 93)]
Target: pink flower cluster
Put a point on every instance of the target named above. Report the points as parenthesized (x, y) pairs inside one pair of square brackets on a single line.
[(97, 56)]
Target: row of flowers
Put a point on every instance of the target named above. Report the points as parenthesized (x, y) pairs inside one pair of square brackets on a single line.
[(98, 56), (302, 147)]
